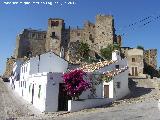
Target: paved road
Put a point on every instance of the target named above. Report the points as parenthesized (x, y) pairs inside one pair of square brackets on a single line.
[(10, 105)]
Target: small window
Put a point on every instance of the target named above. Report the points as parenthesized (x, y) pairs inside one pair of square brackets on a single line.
[(29, 88), (25, 84), (33, 35), (54, 23), (133, 59), (117, 66), (39, 92), (24, 69), (53, 34), (118, 84)]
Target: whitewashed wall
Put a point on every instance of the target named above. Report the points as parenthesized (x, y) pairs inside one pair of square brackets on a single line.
[(121, 63), (123, 90), (88, 103), (52, 91), (50, 62), (16, 71), (49, 82)]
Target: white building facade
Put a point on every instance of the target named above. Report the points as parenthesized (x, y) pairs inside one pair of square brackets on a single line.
[(41, 82), (36, 84)]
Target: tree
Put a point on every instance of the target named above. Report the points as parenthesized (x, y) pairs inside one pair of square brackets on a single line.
[(83, 50), (75, 83), (107, 52), (140, 47)]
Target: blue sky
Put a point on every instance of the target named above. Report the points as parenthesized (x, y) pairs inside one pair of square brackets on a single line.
[(14, 18)]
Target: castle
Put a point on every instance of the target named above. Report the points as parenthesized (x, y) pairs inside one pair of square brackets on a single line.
[(65, 41), (61, 40)]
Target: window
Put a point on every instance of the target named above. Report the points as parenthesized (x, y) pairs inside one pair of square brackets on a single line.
[(26, 68), (53, 34), (118, 84), (33, 35), (29, 88), (25, 84), (22, 70), (117, 66), (39, 92), (21, 83), (54, 23), (133, 59)]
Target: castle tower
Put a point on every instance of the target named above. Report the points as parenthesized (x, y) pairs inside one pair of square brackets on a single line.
[(54, 35), (104, 31)]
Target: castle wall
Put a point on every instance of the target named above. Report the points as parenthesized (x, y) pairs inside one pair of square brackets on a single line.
[(104, 31), (30, 42), (150, 57)]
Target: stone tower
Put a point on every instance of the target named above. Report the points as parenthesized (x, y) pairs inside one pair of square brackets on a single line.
[(54, 39), (30, 42), (104, 31)]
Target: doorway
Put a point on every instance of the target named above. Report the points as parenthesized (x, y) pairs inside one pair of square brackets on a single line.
[(32, 93), (134, 71), (106, 91), (63, 98)]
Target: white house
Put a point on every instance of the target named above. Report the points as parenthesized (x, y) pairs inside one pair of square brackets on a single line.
[(44, 92), (106, 92), (41, 83), (35, 71), (15, 77), (117, 88)]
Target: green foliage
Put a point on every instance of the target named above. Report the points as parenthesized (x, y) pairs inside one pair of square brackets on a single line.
[(148, 69), (106, 79), (107, 52), (83, 50), (140, 47)]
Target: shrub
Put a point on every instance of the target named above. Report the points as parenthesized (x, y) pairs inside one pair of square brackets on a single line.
[(75, 83)]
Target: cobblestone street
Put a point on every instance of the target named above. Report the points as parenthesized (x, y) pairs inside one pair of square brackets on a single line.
[(10, 106), (141, 104)]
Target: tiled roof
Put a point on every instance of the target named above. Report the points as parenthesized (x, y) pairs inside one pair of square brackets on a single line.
[(96, 66)]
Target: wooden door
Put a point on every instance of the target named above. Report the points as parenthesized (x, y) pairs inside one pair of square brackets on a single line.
[(136, 71), (106, 91), (132, 71)]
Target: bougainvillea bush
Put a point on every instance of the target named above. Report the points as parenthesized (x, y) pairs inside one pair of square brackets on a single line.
[(75, 83)]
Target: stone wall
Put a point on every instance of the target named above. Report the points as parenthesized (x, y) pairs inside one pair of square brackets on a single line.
[(150, 57), (104, 31), (30, 42), (135, 61), (62, 40), (9, 67)]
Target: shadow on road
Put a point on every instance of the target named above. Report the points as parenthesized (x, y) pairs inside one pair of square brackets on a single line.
[(136, 91)]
